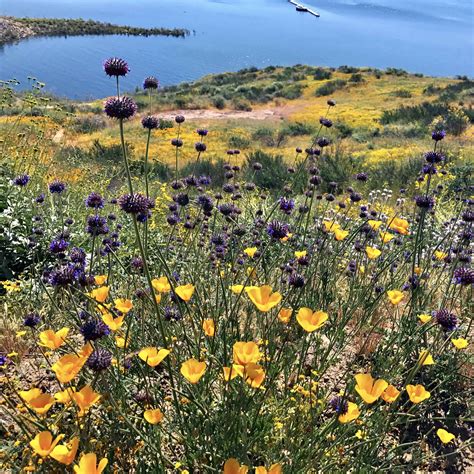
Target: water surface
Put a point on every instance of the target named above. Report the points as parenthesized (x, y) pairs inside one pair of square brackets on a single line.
[(432, 37)]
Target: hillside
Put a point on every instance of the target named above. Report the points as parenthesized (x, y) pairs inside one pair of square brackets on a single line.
[(380, 120)]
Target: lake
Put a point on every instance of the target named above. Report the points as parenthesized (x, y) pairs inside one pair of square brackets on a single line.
[(431, 37)]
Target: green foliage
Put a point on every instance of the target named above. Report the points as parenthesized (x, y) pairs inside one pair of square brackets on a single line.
[(403, 93), (321, 74), (356, 78), (75, 27), (237, 141), (206, 167), (273, 174), (330, 87), (88, 124)]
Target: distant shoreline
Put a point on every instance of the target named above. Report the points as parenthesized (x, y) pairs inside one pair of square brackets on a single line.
[(13, 30)]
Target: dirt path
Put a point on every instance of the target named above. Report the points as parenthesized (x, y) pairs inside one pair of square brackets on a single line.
[(275, 113)]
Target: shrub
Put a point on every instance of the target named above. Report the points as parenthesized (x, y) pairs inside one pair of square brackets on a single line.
[(206, 167), (321, 74), (298, 129), (273, 174), (265, 136), (348, 69), (330, 87), (88, 124), (291, 92), (237, 141), (243, 105), (403, 93), (356, 78)]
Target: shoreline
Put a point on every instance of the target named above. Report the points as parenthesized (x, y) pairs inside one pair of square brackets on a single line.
[(14, 30)]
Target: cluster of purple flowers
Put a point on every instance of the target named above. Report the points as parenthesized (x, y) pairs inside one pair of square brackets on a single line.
[(136, 204), (21, 180), (97, 225), (120, 108)]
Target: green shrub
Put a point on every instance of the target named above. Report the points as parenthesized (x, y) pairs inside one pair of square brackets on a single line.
[(291, 92), (298, 129), (236, 141), (218, 102), (273, 174), (321, 74), (348, 69), (356, 78), (206, 167), (265, 136), (330, 87), (240, 104), (88, 124), (403, 93)]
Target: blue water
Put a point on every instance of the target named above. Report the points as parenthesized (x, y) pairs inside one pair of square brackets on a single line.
[(434, 37)]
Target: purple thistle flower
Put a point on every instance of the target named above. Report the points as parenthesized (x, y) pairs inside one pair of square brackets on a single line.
[(177, 142), (135, 203), (182, 199), (99, 360), (116, 67), (97, 225), (323, 142), (172, 313), (202, 132), (425, 202), (361, 177), (206, 203), (200, 147), (120, 108), (286, 205), (434, 157), (150, 122), (226, 209), (438, 135), (325, 122), (78, 255), (58, 245), (150, 82), (94, 329), (63, 276), (21, 180), (172, 219), (179, 119), (191, 180), (339, 405), (448, 321), (204, 180), (467, 216), (56, 187), (429, 169), (296, 280), (95, 201), (464, 276), (31, 320), (277, 230)]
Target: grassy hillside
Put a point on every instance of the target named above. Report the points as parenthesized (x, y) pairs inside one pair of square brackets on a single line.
[(380, 120)]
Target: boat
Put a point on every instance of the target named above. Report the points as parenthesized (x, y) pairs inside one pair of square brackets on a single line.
[(303, 8)]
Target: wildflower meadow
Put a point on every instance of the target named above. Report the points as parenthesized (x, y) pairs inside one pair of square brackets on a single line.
[(189, 327)]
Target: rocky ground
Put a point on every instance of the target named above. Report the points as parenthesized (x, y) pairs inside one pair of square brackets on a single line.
[(11, 30)]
